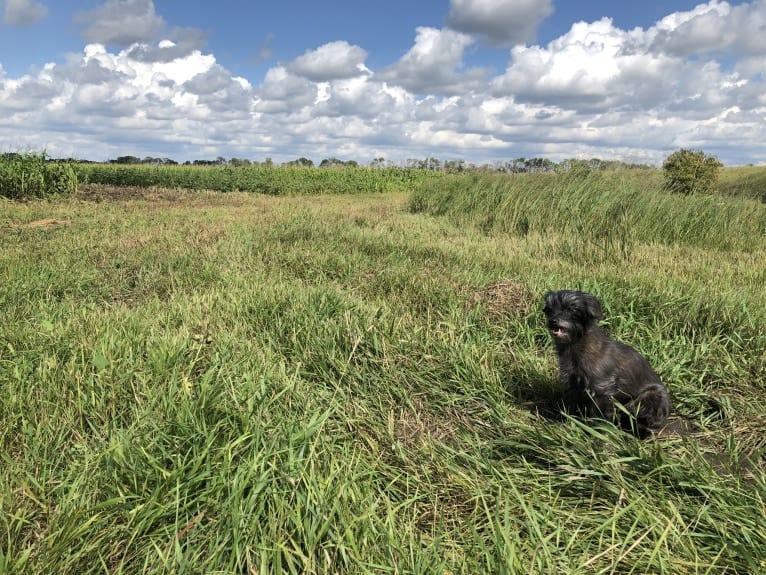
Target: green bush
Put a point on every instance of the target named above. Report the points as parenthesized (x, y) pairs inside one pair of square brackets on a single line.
[(33, 175), (691, 171)]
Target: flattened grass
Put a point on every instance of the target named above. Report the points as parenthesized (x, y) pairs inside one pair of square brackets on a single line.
[(201, 382)]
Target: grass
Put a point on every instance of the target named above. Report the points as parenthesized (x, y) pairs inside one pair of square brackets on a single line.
[(237, 383), (744, 181), (31, 175), (286, 180), (612, 211)]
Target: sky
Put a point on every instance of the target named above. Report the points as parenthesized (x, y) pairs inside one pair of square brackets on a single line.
[(483, 81)]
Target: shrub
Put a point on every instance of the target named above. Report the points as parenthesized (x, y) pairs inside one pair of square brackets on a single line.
[(32, 175), (691, 171)]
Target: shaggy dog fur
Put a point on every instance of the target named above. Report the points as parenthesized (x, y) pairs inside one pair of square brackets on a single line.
[(600, 376)]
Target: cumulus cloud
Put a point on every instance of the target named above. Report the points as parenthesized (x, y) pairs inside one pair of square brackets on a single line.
[(500, 22), (434, 64), (121, 22), (712, 27), (282, 91), (178, 43), (335, 60), (23, 12), (591, 68), (595, 91), (363, 97), (210, 81)]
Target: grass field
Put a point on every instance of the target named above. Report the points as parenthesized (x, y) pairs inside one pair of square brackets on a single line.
[(277, 181), (744, 181), (203, 382)]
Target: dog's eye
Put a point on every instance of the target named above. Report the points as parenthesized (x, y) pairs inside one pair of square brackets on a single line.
[(546, 310)]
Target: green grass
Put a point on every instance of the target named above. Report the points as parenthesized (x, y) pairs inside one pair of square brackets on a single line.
[(31, 175), (608, 211), (286, 180), (745, 182), (197, 382)]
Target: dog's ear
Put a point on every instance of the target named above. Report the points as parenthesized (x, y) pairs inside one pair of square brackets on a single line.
[(549, 299), (593, 307)]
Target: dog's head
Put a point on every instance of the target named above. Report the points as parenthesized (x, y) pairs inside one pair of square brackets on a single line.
[(570, 313)]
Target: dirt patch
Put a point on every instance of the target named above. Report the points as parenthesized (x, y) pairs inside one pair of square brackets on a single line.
[(503, 298), (168, 197), (99, 192), (44, 223)]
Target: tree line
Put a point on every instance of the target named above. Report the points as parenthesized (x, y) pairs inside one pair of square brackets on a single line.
[(515, 166)]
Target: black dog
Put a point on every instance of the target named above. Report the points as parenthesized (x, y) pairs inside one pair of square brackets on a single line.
[(596, 372)]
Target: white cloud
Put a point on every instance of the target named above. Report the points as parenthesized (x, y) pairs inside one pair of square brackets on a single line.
[(121, 22), (23, 12), (501, 22), (179, 43), (591, 68), (283, 92), (361, 97), (595, 91), (210, 81), (712, 27), (335, 60), (434, 63)]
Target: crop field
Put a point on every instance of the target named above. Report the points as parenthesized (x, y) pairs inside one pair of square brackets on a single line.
[(359, 379), (279, 181)]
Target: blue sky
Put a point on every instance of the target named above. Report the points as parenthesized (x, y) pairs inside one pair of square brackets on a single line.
[(480, 80)]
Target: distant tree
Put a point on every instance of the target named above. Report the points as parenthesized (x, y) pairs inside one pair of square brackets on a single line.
[(126, 160), (575, 167), (330, 162), (336, 163), (268, 163), (424, 164), (691, 171), (378, 162), (539, 165), (519, 165), (454, 165), (301, 162), (595, 164)]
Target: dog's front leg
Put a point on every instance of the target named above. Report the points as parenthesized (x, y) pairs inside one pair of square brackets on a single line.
[(576, 400)]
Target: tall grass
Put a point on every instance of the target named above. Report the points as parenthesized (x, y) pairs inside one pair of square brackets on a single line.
[(31, 175), (233, 383), (744, 182), (265, 180), (610, 209)]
